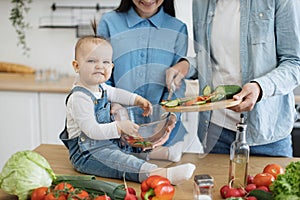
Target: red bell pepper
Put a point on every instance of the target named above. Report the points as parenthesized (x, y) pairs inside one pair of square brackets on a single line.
[(157, 188)]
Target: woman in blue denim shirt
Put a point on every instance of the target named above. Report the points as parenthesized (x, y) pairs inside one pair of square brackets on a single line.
[(255, 44), (147, 40)]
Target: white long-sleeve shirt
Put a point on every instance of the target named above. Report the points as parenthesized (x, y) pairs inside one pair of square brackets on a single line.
[(81, 116)]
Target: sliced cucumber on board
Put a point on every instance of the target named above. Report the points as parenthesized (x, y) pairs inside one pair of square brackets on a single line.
[(172, 103), (228, 90)]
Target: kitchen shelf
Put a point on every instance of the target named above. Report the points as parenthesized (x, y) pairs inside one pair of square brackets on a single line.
[(73, 17)]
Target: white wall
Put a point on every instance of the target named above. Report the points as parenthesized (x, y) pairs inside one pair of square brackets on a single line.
[(51, 48)]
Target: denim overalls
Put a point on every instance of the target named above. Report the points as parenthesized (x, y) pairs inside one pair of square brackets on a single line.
[(105, 158)]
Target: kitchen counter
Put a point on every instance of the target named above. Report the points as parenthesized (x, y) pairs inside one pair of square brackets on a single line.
[(27, 83), (215, 165)]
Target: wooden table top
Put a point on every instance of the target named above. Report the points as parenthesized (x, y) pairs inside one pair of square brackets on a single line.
[(213, 164), (27, 83)]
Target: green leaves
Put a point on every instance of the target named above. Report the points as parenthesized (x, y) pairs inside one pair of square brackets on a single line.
[(17, 18), (25, 171), (287, 185)]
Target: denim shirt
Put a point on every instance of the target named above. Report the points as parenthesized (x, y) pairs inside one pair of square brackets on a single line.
[(143, 50), (269, 55)]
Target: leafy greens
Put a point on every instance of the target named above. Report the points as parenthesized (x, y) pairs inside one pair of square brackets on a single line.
[(25, 171), (287, 185)]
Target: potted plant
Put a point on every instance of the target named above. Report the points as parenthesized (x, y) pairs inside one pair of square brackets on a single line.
[(17, 18)]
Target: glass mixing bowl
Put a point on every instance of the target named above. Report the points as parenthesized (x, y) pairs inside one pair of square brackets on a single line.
[(152, 128)]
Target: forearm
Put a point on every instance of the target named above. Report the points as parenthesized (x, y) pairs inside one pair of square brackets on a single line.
[(81, 118)]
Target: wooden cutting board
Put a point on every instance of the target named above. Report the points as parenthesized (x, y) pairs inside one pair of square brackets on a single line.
[(204, 107)]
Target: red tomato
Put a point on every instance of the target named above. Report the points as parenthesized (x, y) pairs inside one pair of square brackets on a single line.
[(64, 188), (264, 188), (51, 196), (263, 179), (201, 98), (39, 193), (190, 102), (102, 197), (273, 169), (79, 194)]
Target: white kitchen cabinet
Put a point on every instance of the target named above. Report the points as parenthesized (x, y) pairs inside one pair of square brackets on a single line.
[(52, 115), (19, 120)]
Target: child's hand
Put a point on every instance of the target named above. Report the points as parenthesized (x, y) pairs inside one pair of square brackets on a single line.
[(127, 127), (115, 107), (144, 104)]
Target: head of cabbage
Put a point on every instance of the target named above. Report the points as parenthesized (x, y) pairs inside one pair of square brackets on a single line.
[(25, 171)]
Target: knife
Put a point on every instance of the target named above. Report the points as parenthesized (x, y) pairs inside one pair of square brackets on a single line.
[(172, 90)]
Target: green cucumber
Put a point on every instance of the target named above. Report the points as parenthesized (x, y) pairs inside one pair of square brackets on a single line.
[(163, 103), (261, 194), (228, 90), (199, 103), (217, 97), (184, 99), (172, 103), (206, 90), (92, 185)]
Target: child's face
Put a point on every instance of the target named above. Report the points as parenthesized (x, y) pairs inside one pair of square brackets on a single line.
[(147, 8), (94, 63)]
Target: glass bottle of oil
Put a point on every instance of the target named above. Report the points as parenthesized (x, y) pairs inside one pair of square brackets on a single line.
[(239, 156)]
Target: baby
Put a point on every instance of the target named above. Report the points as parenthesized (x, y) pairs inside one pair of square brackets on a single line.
[(92, 138)]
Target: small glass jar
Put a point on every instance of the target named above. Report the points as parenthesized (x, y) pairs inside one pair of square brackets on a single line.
[(203, 187)]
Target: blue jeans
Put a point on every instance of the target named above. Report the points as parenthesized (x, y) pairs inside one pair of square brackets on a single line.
[(219, 141), (105, 158)]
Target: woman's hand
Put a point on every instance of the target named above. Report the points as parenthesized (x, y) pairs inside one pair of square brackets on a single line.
[(249, 95), (177, 73), (144, 104), (170, 127)]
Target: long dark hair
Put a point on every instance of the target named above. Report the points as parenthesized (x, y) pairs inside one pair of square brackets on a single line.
[(168, 6)]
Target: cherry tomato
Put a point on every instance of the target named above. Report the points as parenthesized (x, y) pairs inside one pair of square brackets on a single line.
[(273, 169), (263, 179), (52, 196), (79, 194), (64, 188), (190, 102), (264, 188), (39, 193), (102, 197)]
